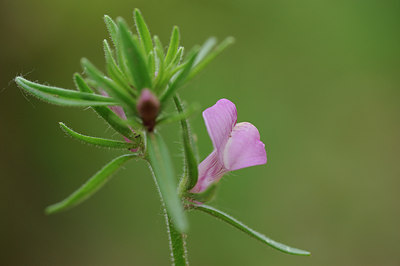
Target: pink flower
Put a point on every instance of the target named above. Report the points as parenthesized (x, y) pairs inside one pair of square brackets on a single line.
[(236, 145)]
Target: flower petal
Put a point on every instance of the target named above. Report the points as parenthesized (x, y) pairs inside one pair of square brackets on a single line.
[(244, 148), (118, 110), (210, 171), (220, 120)]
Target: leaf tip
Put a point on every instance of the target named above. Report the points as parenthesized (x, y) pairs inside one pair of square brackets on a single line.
[(230, 40), (175, 31), (84, 61), (137, 12), (120, 21), (50, 210), (19, 80), (106, 18)]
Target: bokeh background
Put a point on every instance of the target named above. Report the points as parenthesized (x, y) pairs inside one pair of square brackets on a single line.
[(320, 80)]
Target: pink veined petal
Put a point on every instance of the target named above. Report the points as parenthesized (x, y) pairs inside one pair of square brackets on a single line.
[(210, 171), (244, 148), (220, 120), (118, 110)]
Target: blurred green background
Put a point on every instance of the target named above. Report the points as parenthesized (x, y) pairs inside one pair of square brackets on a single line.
[(320, 80)]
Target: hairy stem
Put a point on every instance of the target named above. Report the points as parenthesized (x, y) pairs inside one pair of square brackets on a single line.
[(177, 240), (177, 244)]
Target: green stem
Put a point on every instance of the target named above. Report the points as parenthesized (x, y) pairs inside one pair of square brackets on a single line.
[(177, 244), (161, 174), (191, 170)]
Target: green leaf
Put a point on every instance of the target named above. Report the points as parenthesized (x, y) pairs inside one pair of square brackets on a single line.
[(113, 30), (136, 61), (235, 223), (63, 97), (91, 186), (164, 176), (158, 45), (177, 117), (160, 68), (107, 143), (109, 116), (151, 64), (108, 85), (173, 46), (115, 72), (143, 30), (178, 57), (205, 49), (180, 77), (211, 56)]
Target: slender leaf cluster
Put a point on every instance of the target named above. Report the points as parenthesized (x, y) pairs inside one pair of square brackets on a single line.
[(134, 62)]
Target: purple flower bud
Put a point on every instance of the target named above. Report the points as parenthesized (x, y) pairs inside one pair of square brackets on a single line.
[(148, 107), (236, 145)]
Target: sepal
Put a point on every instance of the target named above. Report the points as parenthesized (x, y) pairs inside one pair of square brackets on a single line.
[(206, 196)]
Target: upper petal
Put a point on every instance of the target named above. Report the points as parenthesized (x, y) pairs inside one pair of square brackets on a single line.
[(220, 120), (244, 148)]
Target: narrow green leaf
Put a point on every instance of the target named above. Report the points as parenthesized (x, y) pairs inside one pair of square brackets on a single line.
[(108, 85), (211, 56), (61, 96), (113, 30), (178, 69), (205, 49), (191, 163), (115, 72), (107, 143), (91, 186), (177, 117), (173, 46), (143, 31), (136, 123), (136, 61), (160, 68), (180, 78), (158, 44), (239, 225), (151, 64), (164, 176), (109, 116), (178, 57)]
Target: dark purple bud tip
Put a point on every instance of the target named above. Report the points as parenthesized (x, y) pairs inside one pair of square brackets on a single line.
[(148, 107)]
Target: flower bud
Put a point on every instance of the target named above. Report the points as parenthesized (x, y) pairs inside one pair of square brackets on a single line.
[(148, 107)]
